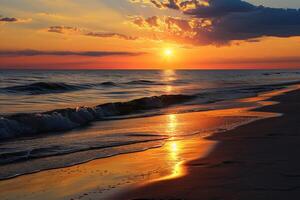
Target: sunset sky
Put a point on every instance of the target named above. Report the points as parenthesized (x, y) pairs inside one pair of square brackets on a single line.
[(156, 34)]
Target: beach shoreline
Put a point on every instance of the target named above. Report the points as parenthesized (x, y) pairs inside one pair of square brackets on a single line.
[(253, 161), (86, 181)]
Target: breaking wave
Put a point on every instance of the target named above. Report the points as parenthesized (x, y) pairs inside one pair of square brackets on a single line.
[(20, 125)]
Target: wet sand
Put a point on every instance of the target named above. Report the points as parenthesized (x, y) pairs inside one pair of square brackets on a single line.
[(257, 161), (102, 177), (229, 169)]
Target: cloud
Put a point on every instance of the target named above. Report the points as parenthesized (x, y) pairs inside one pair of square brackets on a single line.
[(254, 60), (171, 28), (106, 35), (146, 22), (68, 53), (13, 20), (220, 22), (173, 4), (219, 8), (79, 31), (8, 19), (63, 29)]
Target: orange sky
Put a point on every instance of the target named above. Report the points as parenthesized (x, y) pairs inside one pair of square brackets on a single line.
[(208, 39)]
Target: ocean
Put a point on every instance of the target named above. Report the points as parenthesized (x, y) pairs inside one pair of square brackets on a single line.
[(49, 115)]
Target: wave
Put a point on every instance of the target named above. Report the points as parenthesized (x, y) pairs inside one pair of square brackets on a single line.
[(56, 150), (144, 82), (109, 83), (28, 124), (44, 88), (279, 73), (52, 163), (39, 88)]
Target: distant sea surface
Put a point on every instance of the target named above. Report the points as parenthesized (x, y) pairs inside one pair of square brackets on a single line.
[(42, 113), (37, 91)]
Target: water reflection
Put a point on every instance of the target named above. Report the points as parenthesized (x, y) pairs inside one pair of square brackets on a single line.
[(172, 124), (174, 147), (168, 77), (169, 89)]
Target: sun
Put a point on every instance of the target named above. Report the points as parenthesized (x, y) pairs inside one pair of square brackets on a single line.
[(168, 52)]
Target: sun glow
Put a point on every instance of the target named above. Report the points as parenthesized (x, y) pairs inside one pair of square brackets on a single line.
[(168, 52)]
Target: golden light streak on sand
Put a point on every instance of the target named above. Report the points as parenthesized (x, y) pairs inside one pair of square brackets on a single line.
[(172, 124), (175, 148)]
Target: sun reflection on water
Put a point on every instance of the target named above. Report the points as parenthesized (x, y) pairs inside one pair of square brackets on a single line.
[(172, 124), (173, 147), (174, 150), (169, 76), (169, 89)]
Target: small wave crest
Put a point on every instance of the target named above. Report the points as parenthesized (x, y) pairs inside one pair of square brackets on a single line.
[(44, 88), (108, 83), (55, 150), (20, 125), (144, 82), (39, 88)]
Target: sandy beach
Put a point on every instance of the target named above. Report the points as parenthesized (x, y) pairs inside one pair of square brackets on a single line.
[(149, 100), (254, 161)]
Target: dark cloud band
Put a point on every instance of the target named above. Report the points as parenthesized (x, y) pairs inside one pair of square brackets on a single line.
[(79, 31), (222, 21), (8, 19), (68, 53)]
